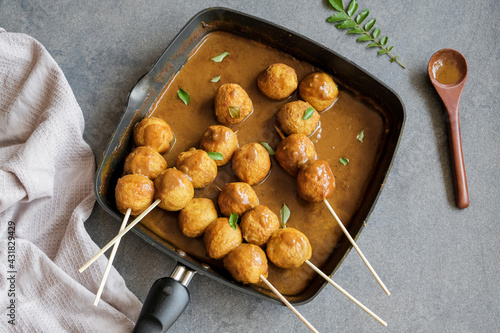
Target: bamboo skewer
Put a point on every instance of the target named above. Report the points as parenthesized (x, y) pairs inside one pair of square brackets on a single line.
[(120, 235), (358, 303), (110, 260), (290, 306), (353, 243), (351, 240)]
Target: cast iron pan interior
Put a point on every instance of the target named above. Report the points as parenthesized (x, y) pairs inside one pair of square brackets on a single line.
[(149, 86)]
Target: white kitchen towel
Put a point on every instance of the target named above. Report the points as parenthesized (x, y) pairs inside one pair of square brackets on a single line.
[(46, 194)]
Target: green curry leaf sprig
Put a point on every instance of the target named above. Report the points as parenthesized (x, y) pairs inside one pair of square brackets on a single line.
[(347, 20)]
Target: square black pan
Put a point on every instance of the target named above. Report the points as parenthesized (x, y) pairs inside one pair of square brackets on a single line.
[(150, 85)]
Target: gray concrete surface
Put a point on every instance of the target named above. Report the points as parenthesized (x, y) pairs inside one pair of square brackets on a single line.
[(440, 263)]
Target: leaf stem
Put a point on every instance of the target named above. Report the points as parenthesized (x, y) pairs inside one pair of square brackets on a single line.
[(394, 58)]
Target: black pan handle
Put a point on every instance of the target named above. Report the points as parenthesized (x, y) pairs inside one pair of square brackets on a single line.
[(166, 300)]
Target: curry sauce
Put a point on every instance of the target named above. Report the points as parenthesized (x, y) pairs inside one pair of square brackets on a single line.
[(337, 137)]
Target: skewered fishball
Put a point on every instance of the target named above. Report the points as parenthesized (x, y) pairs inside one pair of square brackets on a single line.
[(221, 139), (278, 81), (198, 166), (232, 104), (220, 238), (237, 198), (315, 181), (196, 217), (247, 263), (294, 151), (251, 163), (258, 224), (290, 118), (155, 133), (174, 189), (288, 248), (319, 90), (145, 161), (135, 192)]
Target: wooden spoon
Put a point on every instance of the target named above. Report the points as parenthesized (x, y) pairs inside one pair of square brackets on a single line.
[(448, 72)]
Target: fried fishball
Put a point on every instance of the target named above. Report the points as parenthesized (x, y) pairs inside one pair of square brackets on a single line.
[(145, 161), (153, 132), (294, 151), (315, 181), (135, 192), (174, 189), (247, 263), (221, 139), (232, 104), (319, 90), (196, 217), (237, 198), (251, 163), (258, 224), (198, 166), (278, 81), (290, 116), (288, 248), (220, 238)]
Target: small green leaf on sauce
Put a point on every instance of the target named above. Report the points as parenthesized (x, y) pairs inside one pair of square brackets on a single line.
[(215, 155), (233, 220), (220, 57), (184, 96), (308, 114), (344, 160), (234, 111), (269, 149), (215, 79), (285, 215), (361, 136)]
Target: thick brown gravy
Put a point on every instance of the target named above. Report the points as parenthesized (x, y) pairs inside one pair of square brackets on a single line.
[(336, 138)]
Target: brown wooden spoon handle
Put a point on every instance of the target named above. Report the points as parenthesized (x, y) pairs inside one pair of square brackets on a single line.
[(457, 161)]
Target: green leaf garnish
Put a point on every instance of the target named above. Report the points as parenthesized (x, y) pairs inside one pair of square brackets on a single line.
[(344, 160), (220, 57), (361, 136), (184, 96), (233, 220), (337, 4), (215, 79), (308, 114), (347, 20), (285, 215), (215, 155), (234, 111), (269, 149)]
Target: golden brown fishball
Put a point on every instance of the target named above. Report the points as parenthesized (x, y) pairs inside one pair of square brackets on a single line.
[(198, 166), (237, 198), (315, 181), (221, 139), (196, 216), (153, 132), (278, 81), (135, 192), (288, 248), (251, 163), (220, 238), (174, 189), (247, 263), (290, 118), (294, 151), (319, 90), (258, 224), (145, 161), (232, 104)]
